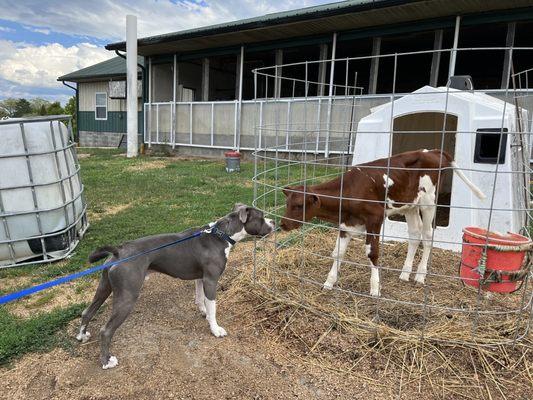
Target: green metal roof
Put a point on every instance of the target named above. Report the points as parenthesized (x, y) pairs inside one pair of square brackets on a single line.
[(114, 67), (263, 21), (340, 17)]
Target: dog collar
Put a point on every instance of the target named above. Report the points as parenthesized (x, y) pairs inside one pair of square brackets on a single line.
[(214, 230)]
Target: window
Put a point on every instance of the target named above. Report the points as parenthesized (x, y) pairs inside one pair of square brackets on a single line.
[(100, 112), (488, 142)]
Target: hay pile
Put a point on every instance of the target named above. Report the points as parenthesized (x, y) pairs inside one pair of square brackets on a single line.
[(465, 351)]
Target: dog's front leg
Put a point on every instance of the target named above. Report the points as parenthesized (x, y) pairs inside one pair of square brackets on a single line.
[(210, 287)]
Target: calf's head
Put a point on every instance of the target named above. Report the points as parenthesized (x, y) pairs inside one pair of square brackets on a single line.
[(299, 207)]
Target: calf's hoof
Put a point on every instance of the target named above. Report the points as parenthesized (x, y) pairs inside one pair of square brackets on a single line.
[(327, 285), (112, 362), (420, 279), (404, 276)]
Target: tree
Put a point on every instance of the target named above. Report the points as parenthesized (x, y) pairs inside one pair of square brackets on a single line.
[(8, 106), (22, 108), (39, 106), (70, 108), (55, 109)]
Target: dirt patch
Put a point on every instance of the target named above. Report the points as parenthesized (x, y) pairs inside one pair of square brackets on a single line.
[(165, 350), (273, 351), (8, 283), (94, 215), (147, 165), (82, 156)]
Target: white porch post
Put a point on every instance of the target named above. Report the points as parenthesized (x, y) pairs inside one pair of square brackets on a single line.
[(149, 116), (322, 68), (435, 61), (453, 56), (131, 61), (205, 79), (509, 42), (174, 79), (330, 93), (374, 65), (237, 142), (277, 83)]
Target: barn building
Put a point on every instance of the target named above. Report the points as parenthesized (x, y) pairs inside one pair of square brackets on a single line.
[(199, 87)]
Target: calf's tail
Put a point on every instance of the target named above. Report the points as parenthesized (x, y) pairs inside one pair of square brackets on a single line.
[(477, 191)]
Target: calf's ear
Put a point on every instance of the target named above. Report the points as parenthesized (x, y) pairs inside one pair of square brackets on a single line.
[(287, 190), (314, 199)]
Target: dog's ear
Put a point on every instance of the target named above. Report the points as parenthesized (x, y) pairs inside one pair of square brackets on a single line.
[(287, 190), (237, 206), (242, 209)]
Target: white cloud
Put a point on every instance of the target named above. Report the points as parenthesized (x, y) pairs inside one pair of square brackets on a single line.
[(6, 29), (44, 31), (39, 66), (29, 70), (105, 19)]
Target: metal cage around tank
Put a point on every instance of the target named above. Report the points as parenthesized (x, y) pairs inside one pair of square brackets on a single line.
[(42, 203), (327, 139)]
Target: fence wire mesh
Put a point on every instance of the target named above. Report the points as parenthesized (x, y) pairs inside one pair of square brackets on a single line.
[(353, 227)]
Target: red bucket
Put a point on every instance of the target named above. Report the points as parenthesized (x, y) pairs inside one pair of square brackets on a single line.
[(474, 241)]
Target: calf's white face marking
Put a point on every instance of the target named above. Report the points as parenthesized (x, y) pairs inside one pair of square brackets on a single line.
[(388, 181)]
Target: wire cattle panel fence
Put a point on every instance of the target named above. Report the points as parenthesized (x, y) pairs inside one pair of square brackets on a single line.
[(452, 178)]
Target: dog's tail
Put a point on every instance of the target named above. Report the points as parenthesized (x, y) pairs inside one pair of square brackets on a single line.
[(103, 252)]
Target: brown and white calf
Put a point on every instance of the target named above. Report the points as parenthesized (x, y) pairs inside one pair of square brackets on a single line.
[(369, 193)]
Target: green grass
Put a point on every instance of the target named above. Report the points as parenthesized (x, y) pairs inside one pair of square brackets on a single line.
[(179, 194), (19, 336)]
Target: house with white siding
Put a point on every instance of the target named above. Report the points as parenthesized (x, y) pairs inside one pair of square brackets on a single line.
[(101, 102)]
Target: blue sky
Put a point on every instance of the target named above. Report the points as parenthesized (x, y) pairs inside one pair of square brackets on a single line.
[(41, 40)]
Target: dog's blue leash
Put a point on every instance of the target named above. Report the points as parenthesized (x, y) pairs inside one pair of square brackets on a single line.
[(34, 289)]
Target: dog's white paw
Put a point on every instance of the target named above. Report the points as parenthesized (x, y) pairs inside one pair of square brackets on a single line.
[(111, 363), (218, 331), (327, 286), (83, 337), (375, 292), (404, 276)]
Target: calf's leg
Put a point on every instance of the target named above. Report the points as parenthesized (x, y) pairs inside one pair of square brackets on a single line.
[(343, 239), (428, 214), (414, 229), (373, 229)]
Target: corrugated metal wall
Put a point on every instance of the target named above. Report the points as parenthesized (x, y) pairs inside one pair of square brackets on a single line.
[(87, 91), (116, 122)]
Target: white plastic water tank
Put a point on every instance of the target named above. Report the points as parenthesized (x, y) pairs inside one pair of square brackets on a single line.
[(42, 206)]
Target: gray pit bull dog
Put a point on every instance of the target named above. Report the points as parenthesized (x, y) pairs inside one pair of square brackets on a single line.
[(202, 258)]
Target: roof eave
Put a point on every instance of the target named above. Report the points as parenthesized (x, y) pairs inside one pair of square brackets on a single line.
[(235, 26)]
